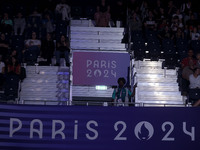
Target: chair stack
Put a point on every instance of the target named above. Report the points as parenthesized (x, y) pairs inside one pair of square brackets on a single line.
[(43, 85), (156, 86)]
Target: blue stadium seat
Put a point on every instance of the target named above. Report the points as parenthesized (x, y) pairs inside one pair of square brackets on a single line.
[(182, 48), (195, 45), (139, 49), (153, 46), (168, 47)]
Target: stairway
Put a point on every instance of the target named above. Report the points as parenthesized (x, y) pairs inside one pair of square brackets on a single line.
[(45, 85), (156, 86)]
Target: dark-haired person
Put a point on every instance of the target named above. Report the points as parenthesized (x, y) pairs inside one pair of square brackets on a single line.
[(102, 16), (194, 80), (121, 94), (47, 48), (62, 48), (14, 67)]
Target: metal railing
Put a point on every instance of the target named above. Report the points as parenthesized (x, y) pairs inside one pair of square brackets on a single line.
[(93, 103)]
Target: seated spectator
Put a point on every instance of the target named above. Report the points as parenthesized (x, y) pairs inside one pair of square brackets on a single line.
[(194, 80), (179, 34), (19, 24), (4, 46), (135, 23), (33, 46), (2, 67), (178, 14), (6, 24), (64, 10), (102, 16), (198, 61), (194, 35), (150, 22), (47, 48), (14, 67), (62, 48), (187, 64), (166, 34)]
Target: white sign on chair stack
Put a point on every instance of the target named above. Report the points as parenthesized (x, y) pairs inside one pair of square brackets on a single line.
[(156, 86)]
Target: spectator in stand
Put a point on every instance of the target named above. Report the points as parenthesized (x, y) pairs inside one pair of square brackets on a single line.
[(6, 24), (33, 46), (166, 34), (2, 67), (198, 60), (135, 23), (192, 21), (64, 10), (4, 46), (62, 48), (144, 9), (161, 15), (187, 64), (19, 24), (133, 6), (178, 14), (14, 67), (47, 23), (171, 9), (194, 80), (179, 34), (185, 61), (119, 12), (102, 16), (150, 22), (157, 8), (186, 7), (47, 48), (194, 35)]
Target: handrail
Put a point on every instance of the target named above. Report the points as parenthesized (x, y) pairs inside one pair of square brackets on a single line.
[(103, 103)]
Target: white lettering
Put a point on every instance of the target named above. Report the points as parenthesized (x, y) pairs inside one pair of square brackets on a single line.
[(103, 64), (96, 64), (191, 134), (92, 130), (38, 131), (12, 130), (114, 64), (118, 137), (60, 131), (76, 130), (89, 62), (166, 137)]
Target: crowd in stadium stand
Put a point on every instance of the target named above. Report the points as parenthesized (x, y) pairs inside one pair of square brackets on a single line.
[(29, 30)]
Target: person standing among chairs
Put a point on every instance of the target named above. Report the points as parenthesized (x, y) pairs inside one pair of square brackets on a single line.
[(62, 48), (102, 16), (122, 94)]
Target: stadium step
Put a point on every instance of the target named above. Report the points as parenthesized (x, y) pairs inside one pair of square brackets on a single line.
[(45, 84), (155, 85)]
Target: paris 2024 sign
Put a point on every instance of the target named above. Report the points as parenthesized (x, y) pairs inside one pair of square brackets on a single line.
[(99, 68)]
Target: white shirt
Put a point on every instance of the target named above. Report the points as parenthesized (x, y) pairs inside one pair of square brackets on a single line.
[(194, 82), (32, 42)]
